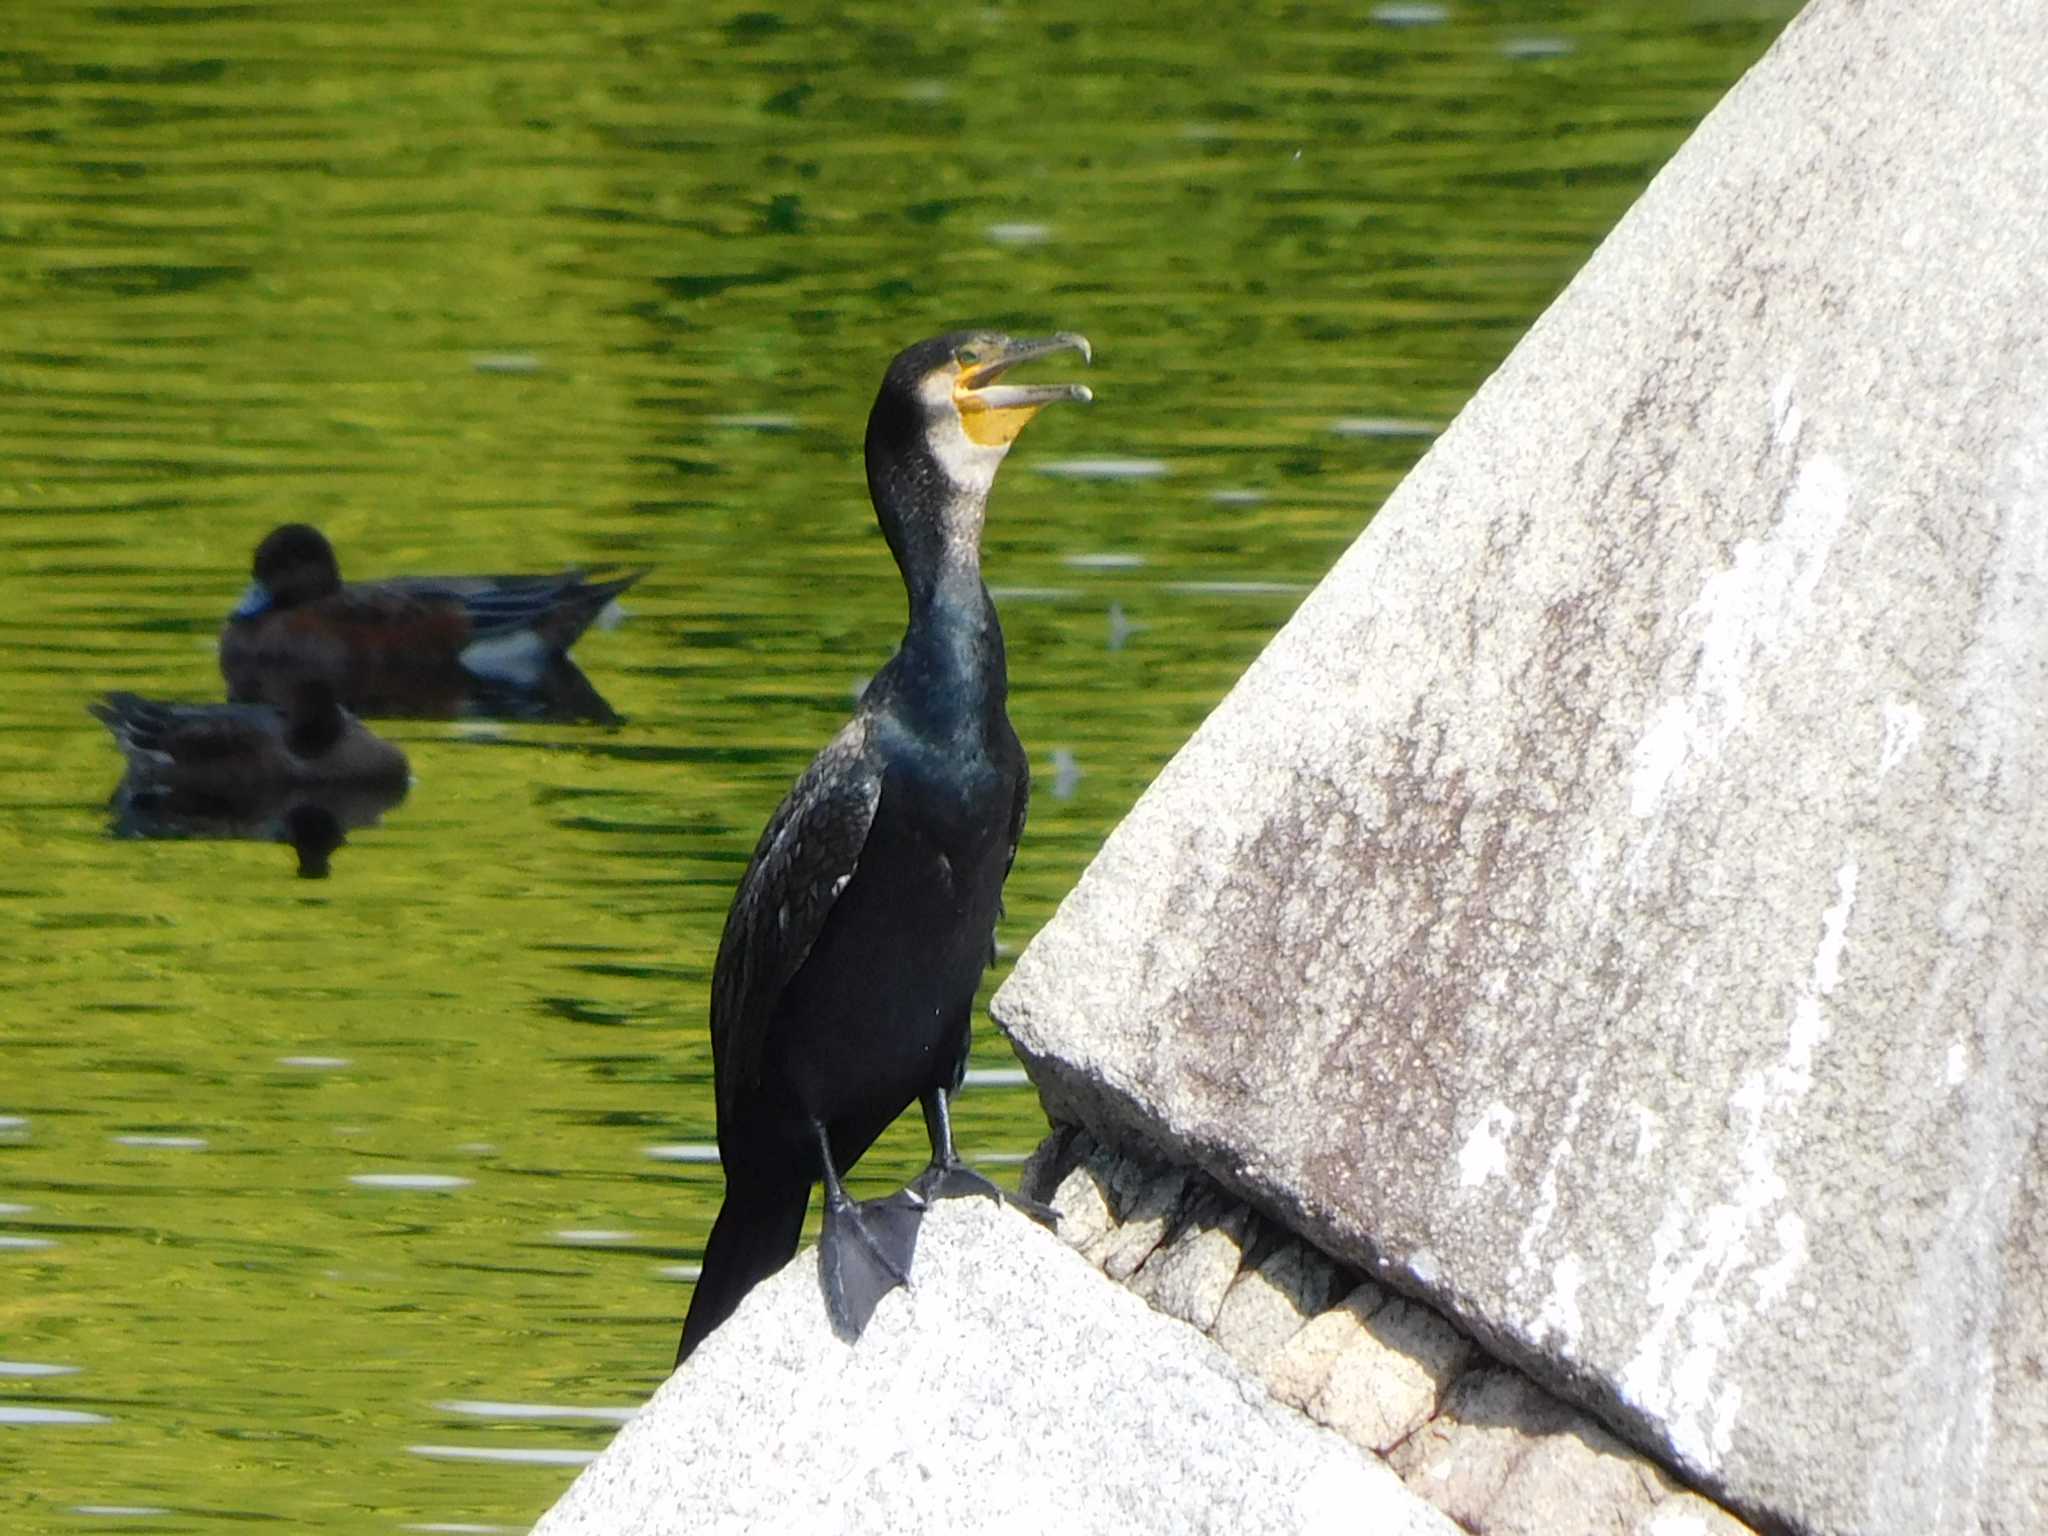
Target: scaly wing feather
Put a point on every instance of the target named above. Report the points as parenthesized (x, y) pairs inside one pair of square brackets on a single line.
[(1020, 810), (806, 855)]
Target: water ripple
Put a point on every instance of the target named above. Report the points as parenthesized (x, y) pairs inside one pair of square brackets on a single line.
[(532, 1456)]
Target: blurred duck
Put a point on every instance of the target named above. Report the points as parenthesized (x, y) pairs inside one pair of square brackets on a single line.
[(240, 752), (246, 771), (412, 645)]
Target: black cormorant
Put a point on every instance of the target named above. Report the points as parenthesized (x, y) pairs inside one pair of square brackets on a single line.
[(847, 971)]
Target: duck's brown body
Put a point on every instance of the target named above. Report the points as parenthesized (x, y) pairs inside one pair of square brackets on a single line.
[(410, 645)]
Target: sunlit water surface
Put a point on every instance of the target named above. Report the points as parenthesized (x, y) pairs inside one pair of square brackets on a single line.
[(372, 1204)]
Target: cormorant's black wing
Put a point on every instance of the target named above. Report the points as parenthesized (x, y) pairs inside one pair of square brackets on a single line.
[(807, 853), (1020, 809)]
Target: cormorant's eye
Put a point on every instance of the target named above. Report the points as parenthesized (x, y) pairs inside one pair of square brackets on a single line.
[(967, 356)]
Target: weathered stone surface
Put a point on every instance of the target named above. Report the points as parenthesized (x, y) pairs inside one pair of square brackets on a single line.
[(1062, 1151), (1146, 1201), (1687, 1514), (1268, 1304), (1614, 908), (1388, 1384), (1012, 1388), (1506, 1459), (1189, 1277), (1082, 1199), (1298, 1372), (1373, 1369)]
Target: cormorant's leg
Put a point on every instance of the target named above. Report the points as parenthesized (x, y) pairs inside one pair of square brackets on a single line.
[(948, 1176), (865, 1250)]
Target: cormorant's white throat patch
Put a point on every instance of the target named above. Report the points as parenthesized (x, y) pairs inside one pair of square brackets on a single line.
[(969, 465)]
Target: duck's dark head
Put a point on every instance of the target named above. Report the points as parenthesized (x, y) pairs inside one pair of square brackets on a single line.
[(294, 564), (944, 418), (314, 722)]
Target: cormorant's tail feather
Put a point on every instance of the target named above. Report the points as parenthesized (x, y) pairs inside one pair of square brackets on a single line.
[(757, 1232)]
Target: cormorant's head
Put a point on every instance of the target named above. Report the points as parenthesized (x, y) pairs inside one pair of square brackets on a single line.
[(294, 564), (949, 396), (945, 417)]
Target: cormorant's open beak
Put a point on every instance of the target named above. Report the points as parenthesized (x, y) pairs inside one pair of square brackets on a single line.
[(993, 413)]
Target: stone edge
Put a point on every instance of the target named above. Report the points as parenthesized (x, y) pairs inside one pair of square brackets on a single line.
[(1474, 1437)]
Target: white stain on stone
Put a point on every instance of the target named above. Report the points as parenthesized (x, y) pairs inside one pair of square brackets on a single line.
[(2008, 645), (1961, 1291), (1775, 1279), (1708, 1278), (1786, 417), (1590, 863), (1647, 1137), (1834, 931), (1657, 757), (1681, 1522), (1485, 1153), (1529, 1247), (1752, 611), (1903, 727), (1560, 1317)]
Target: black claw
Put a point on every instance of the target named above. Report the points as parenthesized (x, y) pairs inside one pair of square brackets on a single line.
[(952, 1181), (1047, 1216), (864, 1253)]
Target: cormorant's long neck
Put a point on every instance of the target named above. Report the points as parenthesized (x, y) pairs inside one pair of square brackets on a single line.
[(953, 644), (944, 584), (951, 661)]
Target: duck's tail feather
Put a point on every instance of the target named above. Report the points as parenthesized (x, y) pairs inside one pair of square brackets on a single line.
[(138, 726), (521, 629), (557, 609), (608, 614)]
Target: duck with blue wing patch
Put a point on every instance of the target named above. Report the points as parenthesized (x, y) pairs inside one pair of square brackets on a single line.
[(412, 645)]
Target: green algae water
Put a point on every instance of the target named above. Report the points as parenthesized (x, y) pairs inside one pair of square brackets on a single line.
[(372, 1204)]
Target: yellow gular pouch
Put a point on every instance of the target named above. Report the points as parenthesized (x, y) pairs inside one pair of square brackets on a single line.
[(991, 426)]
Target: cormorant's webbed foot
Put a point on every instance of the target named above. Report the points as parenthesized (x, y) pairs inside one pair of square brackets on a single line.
[(864, 1253), (949, 1178)]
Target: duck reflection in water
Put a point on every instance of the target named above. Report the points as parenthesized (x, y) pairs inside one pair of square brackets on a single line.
[(418, 647), (305, 776)]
